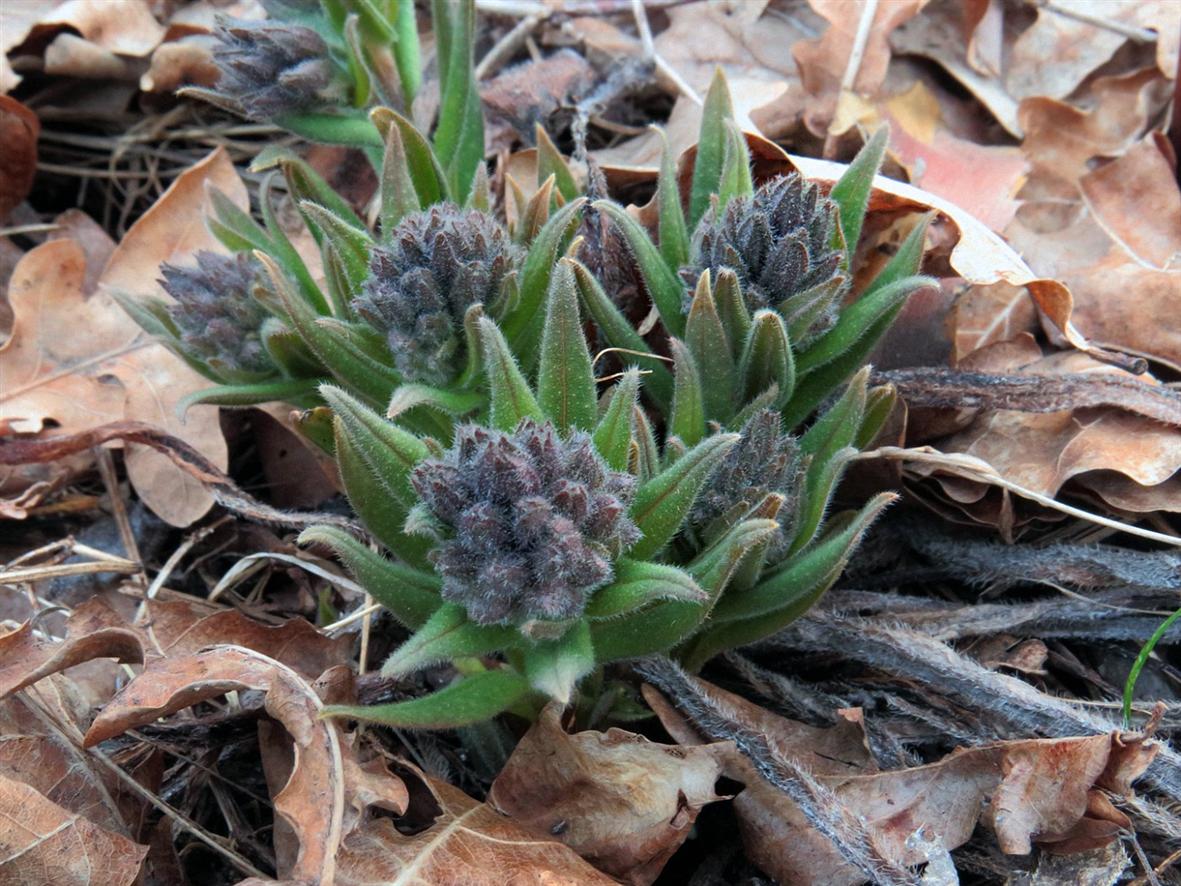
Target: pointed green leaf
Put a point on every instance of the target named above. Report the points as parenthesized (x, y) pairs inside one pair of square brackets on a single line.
[(879, 403), (657, 628), (662, 503), (851, 192), (351, 129), (565, 379), (618, 332), (451, 402), (306, 185), (510, 399), (907, 261), (674, 236), (706, 338), (399, 197), (664, 287), (459, 135), (522, 324), (406, 50), (714, 567), (469, 700), (554, 667), (383, 514), (736, 180), (788, 593), (687, 418), (838, 426), (447, 635), (297, 391), (613, 436), (285, 253), (332, 347), (551, 162), (767, 358), (411, 595), (857, 322), (390, 451), (352, 245), (430, 182), (640, 582), (732, 309), (711, 147), (647, 456)]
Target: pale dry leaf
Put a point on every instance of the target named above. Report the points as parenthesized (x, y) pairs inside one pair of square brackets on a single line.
[(72, 56), (468, 842), (1023, 790), (125, 27), (1054, 55), (313, 802), (15, 21), (620, 801), (40, 842), (824, 63)]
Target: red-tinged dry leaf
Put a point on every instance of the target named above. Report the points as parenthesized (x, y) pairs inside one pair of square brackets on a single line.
[(125, 27), (19, 128), (181, 627), (316, 799), (935, 159), (77, 359), (824, 63), (1023, 790), (620, 801), (26, 658), (468, 842), (45, 843)]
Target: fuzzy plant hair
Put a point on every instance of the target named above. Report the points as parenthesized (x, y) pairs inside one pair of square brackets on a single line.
[(779, 241), (534, 521), (216, 316), (434, 266)]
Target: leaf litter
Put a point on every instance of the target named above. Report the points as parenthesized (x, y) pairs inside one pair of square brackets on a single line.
[(930, 728)]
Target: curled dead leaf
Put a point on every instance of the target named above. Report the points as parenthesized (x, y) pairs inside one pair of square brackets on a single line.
[(19, 129), (1024, 790), (620, 801)]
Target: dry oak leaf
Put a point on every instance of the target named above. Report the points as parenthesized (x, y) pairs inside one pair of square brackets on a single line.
[(25, 658), (77, 359), (824, 63), (1055, 54), (40, 842), (315, 800), (1024, 790), (125, 27), (19, 128), (468, 843), (623, 803), (178, 627), (1042, 451)]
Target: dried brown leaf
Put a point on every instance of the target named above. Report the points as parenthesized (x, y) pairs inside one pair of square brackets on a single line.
[(468, 842), (76, 358), (315, 800), (1024, 790), (44, 843), (620, 801), (19, 128)]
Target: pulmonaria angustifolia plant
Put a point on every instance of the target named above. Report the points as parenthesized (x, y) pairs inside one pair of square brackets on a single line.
[(216, 316), (269, 70), (533, 522), (545, 513), (434, 266), (779, 242)]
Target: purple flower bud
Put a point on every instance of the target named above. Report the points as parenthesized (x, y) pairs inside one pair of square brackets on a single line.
[(535, 520), (217, 316), (271, 68), (779, 243), (433, 267)]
